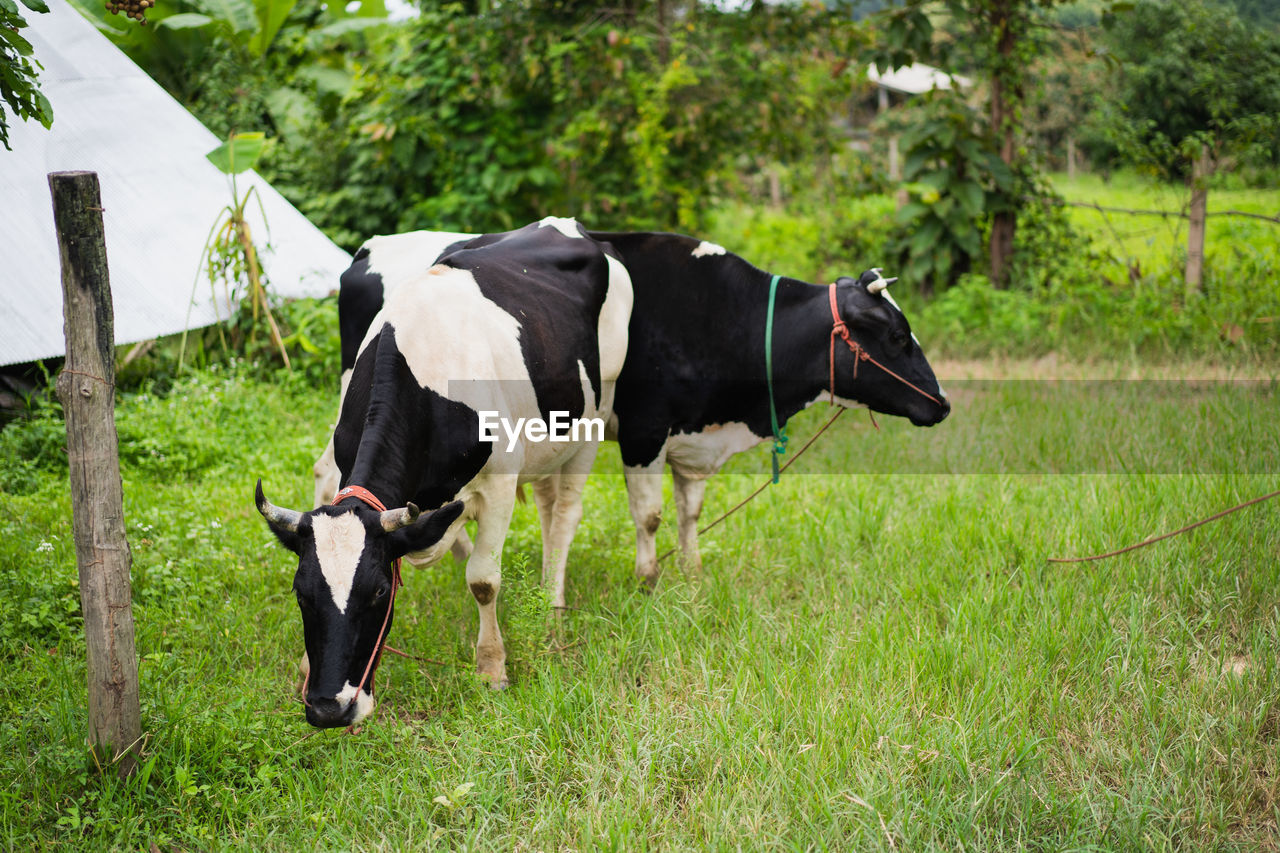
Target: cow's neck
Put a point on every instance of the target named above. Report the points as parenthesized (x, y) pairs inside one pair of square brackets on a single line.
[(801, 341), (381, 430), (395, 488)]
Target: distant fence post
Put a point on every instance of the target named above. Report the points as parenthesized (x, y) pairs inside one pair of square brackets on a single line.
[(86, 388), (1201, 171)]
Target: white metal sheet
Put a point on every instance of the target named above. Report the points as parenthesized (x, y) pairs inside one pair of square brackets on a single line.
[(160, 195)]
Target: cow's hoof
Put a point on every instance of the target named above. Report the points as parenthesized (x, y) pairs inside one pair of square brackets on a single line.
[(496, 681), (648, 583), (691, 565)]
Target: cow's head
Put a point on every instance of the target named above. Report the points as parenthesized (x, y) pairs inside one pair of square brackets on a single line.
[(877, 324), (343, 585)]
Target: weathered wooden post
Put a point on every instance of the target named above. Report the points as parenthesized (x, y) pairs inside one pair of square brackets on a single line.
[(1201, 171), (86, 388)]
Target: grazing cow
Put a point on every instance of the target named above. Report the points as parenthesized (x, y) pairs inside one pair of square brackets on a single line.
[(694, 391), (527, 324)]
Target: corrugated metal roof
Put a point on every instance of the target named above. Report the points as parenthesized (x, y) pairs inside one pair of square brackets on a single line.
[(917, 79), (161, 197)]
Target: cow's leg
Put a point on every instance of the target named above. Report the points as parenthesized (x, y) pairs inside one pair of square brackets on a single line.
[(461, 547), (484, 577), (544, 497), (644, 495), (563, 493), (688, 494)]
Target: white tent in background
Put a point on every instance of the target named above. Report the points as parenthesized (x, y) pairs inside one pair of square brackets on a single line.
[(160, 195)]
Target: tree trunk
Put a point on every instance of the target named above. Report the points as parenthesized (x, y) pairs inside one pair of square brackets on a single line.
[(1200, 173), (775, 187), (895, 172), (1005, 93), (664, 42), (86, 388)]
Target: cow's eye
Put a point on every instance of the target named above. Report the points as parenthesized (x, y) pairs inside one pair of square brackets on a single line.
[(900, 339), (381, 594)]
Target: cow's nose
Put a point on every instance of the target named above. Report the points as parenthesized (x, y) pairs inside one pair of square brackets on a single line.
[(945, 409), (327, 713)]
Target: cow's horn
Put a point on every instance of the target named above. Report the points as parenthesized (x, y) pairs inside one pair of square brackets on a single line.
[(287, 519), (880, 283), (394, 519)]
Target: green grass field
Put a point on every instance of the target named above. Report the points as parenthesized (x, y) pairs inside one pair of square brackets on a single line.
[(875, 656)]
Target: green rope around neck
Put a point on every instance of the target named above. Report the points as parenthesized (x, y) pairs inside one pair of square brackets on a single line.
[(779, 432)]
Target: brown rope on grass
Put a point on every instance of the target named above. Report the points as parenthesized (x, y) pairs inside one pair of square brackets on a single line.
[(1164, 536), (740, 504)]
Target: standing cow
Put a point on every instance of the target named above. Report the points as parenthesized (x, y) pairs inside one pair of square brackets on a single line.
[(694, 391), (695, 387), (528, 324)]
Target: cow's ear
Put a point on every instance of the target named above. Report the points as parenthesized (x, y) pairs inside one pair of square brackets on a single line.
[(288, 538), (284, 523), (429, 529)]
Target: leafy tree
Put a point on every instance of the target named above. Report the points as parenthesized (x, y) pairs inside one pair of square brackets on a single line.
[(481, 115), (19, 92), (1197, 88), (630, 118), (1265, 13), (954, 178), (1000, 39)]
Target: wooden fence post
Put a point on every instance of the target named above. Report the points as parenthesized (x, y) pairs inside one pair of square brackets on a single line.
[(86, 388), (1201, 171)]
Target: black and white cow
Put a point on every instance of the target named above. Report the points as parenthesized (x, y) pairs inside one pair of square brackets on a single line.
[(525, 324), (693, 391)]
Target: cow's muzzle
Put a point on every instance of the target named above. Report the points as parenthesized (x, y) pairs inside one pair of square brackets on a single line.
[(937, 416), (330, 713)]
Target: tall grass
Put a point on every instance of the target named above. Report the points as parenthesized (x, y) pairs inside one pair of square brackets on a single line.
[(870, 659)]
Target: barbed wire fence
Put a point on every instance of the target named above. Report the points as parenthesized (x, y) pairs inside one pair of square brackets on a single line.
[(1170, 227)]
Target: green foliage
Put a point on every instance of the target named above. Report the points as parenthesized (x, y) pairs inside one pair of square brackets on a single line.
[(966, 170), (974, 317), (1261, 13), (247, 65), (20, 94), (1075, 288), (955, 180), (230, 254), (833, 217), (239, 153), (1193, 75), (526, 612), (485, 121), (35, 442)]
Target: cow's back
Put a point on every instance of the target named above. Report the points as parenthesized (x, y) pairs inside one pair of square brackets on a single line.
[(689, 348), (507, 323)]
